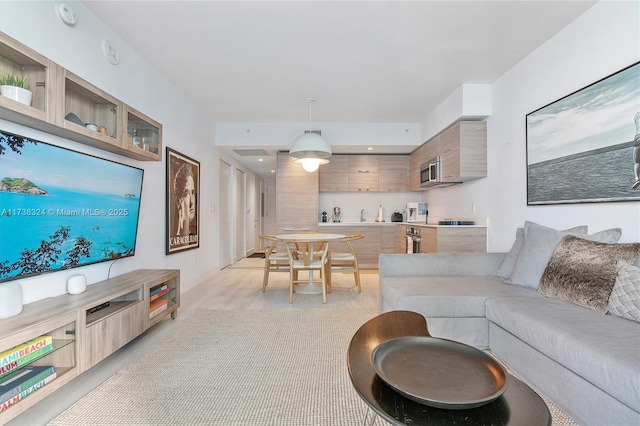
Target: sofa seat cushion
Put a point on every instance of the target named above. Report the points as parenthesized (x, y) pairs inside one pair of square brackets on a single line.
[(582, 340), (446, 297)]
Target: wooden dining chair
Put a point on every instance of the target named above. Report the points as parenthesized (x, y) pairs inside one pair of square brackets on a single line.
[(348, 261), (305, 256), (273, 261)]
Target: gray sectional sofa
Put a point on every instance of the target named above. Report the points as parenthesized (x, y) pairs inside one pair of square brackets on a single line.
[(586, 362)]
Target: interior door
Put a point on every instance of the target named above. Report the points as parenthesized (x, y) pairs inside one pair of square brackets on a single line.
[(258, 212), (240, 215), (226, 243)]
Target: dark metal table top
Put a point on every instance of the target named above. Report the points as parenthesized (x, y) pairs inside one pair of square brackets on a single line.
[(519, 405)]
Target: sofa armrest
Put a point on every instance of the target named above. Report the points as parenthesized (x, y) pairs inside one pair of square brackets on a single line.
[(439, 264)]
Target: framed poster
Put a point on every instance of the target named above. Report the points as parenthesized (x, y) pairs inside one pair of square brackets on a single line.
[(585, 147), (183, 202)]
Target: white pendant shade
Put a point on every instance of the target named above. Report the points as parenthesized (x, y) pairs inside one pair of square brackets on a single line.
[(310, 149)]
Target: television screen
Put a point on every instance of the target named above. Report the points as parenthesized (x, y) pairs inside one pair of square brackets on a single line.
[(61, 209)]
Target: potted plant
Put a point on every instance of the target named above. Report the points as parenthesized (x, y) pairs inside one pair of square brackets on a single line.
[(15, 87)]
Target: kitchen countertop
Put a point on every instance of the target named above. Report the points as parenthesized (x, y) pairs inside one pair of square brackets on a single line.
[(416, 224)]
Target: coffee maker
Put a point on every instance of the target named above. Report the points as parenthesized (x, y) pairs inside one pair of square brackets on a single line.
[(336, 214)]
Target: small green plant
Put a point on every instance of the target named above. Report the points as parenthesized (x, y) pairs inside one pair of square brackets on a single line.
[(14, 80)]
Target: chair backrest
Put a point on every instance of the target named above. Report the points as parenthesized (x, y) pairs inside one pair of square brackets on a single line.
[(353, 242), (306, 251), (270, 242)]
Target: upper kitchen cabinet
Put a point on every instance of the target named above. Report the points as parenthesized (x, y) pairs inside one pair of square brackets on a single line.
[(393, 173), (424, 154), (334, 177), (463, 151), (363, 173), (40, 72)]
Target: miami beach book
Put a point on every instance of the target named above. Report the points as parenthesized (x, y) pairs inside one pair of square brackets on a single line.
[(24, 349)]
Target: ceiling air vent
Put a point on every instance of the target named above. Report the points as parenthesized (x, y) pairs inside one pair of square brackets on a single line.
[(317, 132), (251, 152)]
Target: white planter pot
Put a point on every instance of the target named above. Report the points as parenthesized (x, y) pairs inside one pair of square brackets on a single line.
[(17, 94)]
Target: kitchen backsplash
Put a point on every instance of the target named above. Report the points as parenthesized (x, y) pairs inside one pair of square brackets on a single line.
[(351, 204)]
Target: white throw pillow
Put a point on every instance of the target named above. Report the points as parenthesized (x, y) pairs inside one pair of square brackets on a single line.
[(625, 296)]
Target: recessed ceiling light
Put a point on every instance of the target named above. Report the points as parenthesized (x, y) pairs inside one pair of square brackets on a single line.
[(370, 148), (260, 159), (273, 171)]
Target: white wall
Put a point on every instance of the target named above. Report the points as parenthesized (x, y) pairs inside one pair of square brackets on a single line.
[(186, 128), (602, 41)]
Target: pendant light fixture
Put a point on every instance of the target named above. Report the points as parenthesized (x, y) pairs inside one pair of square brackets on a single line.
[(310, 149)]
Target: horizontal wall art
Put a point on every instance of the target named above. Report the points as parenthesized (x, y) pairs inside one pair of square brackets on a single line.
[(585, 147)]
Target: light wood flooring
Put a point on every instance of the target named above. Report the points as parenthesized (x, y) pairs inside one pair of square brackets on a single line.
[(238, 287)]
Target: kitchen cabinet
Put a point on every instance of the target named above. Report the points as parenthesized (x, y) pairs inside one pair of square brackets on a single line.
[(462, 148), (363, 173), (57, 92), (426, 152), (296, 197), (388, 242), (334, 176), (453, 239), (463, 151), (393, 173)]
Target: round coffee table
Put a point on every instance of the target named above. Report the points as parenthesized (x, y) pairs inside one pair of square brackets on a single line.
[(518, 405)]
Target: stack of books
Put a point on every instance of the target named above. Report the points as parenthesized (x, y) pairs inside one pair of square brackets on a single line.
[(18, 379), (157, 302)]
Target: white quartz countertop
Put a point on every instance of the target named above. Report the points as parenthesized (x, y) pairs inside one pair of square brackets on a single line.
[(416, 224)]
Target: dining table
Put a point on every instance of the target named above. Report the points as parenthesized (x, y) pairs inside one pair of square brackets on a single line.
[(311, 287)]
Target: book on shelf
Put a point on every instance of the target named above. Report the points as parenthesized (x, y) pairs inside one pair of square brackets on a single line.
[(24, 360), (22, 379), (28, 391), (24, 349), (157, 304), (158, 289), (161, 293), (157, 311)]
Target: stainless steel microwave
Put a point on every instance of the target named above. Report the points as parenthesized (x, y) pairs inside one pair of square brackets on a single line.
[(430, 173)]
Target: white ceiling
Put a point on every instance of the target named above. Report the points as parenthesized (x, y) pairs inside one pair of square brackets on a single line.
[(381, 61)]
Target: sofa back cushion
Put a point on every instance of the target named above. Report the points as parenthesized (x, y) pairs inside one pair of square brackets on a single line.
[(538, 246)]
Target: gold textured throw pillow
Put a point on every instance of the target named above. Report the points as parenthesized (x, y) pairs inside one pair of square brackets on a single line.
[(583, 272)]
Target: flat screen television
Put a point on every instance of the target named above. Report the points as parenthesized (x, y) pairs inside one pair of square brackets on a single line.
[(62, 209)]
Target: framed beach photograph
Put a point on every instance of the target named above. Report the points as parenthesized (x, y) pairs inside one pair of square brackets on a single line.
[(585, 147), (183, 202)]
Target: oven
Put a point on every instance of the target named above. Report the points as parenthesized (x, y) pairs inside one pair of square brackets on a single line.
[(413, 239)]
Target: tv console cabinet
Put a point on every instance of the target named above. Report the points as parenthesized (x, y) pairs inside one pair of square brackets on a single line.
[(88, 327)]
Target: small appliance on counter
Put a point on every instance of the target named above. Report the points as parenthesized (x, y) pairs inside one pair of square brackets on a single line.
[(396, 217), (417, 212), (336, 214), (324, 217)]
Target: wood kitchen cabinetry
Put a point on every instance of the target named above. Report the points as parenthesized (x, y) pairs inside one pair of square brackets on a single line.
[(87, 327), (334, 176), (463, 151), (453, 239), (462, 148), (393, 173), (365, 173), (296, 197), (57, 92)]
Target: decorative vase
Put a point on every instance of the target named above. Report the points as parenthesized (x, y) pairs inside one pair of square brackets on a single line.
[(10, 299), (17, 94)]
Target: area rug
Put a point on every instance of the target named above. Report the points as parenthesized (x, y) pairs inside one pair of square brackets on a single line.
[(285, 367)]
